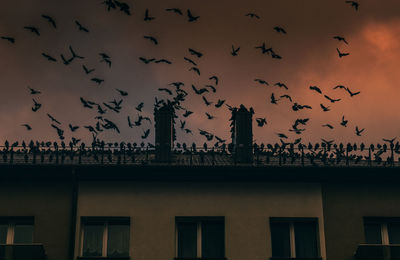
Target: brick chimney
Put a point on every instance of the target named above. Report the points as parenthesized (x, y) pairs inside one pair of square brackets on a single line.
[(242, 137), (163, 118)]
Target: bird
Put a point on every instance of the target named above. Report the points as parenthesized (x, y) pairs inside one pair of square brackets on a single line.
[(340, 87), (261, 121), (195, 69), (279, 29), (358, 131), (328, 125), (163, 61), (351, 93), (199, 91), (34, 91), (175, 10), (195, 53), (166, 90), (97, 80), (339, 38), (177, 84), (146, 61), (147, 17), (53, 119), (87, 71), (121, 92), (212, 88), (263, 48), (331, 99), (74, 55), (190, 61), (275, 56), (73, 128), (317, 89), (107, 61), (280, 135), (353, 4), (342, 54), (253, 15), (183, 123), (344, 122), (81, 27), (286, 96), (48, 57), (273, 99), (191, 17), (36, 105), (10, 39), (187, 113), (123, 7), (324, 108), (110, 4), (151, 38), (28, 127), (215, 78), (206, 101), (261, 81), (235, 51), (50, 20), (219, 103), (389, 140), (210, 117), (139, 107), (281, 85), (65, 61), (145, 133), (35, 30)]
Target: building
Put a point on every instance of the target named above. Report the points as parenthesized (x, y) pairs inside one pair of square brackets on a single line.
[(123, 202)]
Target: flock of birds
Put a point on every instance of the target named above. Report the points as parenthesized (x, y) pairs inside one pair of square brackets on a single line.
[(176, 93)]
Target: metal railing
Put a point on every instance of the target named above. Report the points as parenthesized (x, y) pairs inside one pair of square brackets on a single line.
[(378, 252)]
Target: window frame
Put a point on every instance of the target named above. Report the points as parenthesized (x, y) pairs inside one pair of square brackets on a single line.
[(11, 223), (105, 222), (384, 223), (198, 221), (291, 221)]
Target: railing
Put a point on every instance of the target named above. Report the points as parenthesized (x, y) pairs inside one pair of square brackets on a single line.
[(378, 252), (22, 252), (319, 154)]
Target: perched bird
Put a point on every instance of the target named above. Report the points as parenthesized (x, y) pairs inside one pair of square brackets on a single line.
[(235, 51), (97, 80), (342, 54), (339, 38), (344, 122), (331, 99), (33, 29), (279, 29), (10, 39), (122, 93), (253, 15), (191, 17), (281, 85), (175, 10), (215, 78), (261, 121), (353, 4), (81, 27), (147, 17), (87, 71), (324, 108), (358, 131), (34, 91), (317, 89), (151, 38), (28, 127), (48, 57), (50, 20)]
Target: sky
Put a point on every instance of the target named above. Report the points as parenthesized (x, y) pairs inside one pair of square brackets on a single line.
[(308, 50)]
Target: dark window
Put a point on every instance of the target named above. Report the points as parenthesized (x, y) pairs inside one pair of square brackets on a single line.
[(200, 237), (373, 233), (93, 240), (394, 233), (306, 240), (280, 234), (16, 230), (118, 240), (23, 234), (3, 233)]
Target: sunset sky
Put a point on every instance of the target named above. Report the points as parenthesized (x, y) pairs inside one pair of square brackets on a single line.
[(308, 50)]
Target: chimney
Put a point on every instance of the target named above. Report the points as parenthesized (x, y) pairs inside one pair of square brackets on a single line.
[(242, 137), (163, 118)]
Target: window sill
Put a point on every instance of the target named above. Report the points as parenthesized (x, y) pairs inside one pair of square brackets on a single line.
[(103, 258)]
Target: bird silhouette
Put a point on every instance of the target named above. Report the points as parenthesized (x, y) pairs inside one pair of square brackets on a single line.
[(87, 103), (87, 71), (147, 17), (121, 92), (351, 93), (195, 53), (34, 91), (206, 101), (340, 87), (177, 84), (53, 119), (33, 29), (353, 4), (183, 123), (281, 85), (36, 105), (219, 103), (74, 55), (81, 27), (174, 10), (164, 61), (191, 17), (140, 106), (324, 108), (252, 15), (281, 135), (261, 81), (328, 125), (145, 134), (341, 39), (344, 122), (213, 89), (73, 128), (10, 39), (165, 90), (97, 80), (279, 29), (187, 113), (210, 117), (261, 121), (195, 69), (199, 91), (110, 4), (28, 127), (286, 96), (235, 51), (48, 57), (273, 99), (331, 99), (317, 89), (263, 48), (145, 60), (151, 38), (342, 54), (66, 61), (389, 140), (190, 61), (215, 78), (50, 20), (275, 56), (358, 131), (123, 7)]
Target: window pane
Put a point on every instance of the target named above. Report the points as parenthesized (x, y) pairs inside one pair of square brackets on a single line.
[(23, 234), (3, 234), (306, 239), (394, 233), (187, 239), (212, 239), (118, 240), (373, 233), (93, 240), (280, 239)]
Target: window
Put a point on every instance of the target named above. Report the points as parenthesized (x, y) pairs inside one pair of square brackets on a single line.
[(383, 231), (294, 238), (105, 237), (200, 237), (16, 230)]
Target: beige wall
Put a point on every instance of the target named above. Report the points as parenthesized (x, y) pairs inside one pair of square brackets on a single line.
[(246, 206), (49, 203)]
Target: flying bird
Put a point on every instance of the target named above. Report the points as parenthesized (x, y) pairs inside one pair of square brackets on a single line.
[(147, 17), (97, 80), (328, 125), (358, 131), (261, 81), (36, 105), (10, 39), (81, 27), (145, 134), (151, 38), (165, 90), (190, 61), (48, 57), (317, 89), (195, 53), (279, 29), (215, 78), (273, 99), (286, 96), (344, 122), (331, 99), (324, 108), (87, 71), (73, 128), (281, 85), (341, 39), (235, 51), (219, 103), (121, 92), (50, 20), (351, 93), (206, 101), (340, 87), (145, 60), (164, 61), (28, 127), (342, 54), (194, 69), (53, 119), (175, 10), (191, 17), (261, 121), (253, 15), (353, 4), (33, 29), (34, 91), (210, 117), (140, 106)]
